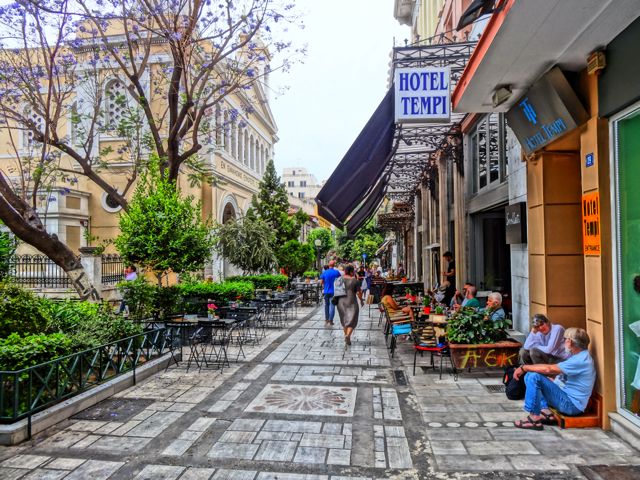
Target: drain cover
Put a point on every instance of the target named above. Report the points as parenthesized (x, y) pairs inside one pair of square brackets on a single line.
[(496, 388), (400, 377), (114, 409)]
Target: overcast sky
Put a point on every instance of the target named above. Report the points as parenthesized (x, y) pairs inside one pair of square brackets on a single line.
[(344, 77)]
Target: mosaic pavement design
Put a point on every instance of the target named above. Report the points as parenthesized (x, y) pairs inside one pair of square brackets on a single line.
[(305, 400), (301, 406)]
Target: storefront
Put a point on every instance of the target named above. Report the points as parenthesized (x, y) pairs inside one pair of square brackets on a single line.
[(619, 102)]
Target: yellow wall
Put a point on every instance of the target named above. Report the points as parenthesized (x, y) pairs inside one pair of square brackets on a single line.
[(574, 289)]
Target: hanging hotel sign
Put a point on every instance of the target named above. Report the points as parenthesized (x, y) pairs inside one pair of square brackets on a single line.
[(422, 95), (591, 223), (548, 110)]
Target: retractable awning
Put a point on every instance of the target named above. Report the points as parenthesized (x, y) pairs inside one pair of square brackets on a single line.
[(368, 207), (361, 167)]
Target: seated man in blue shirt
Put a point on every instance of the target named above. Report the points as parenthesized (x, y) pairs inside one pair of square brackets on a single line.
[(327, 278), (568, 393), (494, 310), (545, 343)]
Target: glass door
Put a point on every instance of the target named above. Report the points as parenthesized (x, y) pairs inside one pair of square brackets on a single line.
[(626, 132)]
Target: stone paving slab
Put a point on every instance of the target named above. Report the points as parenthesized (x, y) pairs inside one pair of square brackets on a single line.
[(302, 406)]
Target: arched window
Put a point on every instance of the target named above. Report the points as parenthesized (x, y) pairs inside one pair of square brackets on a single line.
[(32, 121), (218, 126), (263, 154), (252, 153), (225, 132), (245, 159), (116, 103), (234, 139)]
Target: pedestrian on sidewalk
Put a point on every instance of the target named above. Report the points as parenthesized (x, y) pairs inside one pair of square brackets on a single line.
[(327, 278), (348, 307)]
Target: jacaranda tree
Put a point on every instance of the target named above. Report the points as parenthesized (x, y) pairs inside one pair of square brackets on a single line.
[(147, 75)]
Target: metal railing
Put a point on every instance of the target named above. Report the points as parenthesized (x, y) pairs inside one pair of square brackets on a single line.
[(28, 391), (112, 269), (37, 271)]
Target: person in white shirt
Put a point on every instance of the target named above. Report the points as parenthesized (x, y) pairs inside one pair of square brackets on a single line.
[(544, 344)]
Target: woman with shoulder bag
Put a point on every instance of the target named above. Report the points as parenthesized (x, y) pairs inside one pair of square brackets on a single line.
[(348, 308)]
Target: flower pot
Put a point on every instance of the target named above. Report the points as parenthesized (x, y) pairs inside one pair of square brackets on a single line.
[(499, 354), (437, 318), (426, 310)]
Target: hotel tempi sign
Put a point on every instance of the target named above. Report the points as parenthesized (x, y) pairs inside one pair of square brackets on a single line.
[(422, 95)]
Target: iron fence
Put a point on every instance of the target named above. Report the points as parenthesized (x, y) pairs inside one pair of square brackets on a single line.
[(37, 271), (28, 391), (112, 269)]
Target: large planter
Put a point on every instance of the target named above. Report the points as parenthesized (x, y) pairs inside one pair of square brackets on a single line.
[(500, 354)]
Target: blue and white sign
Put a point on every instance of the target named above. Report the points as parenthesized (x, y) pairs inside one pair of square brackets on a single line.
[(588, 161), (422, 95)]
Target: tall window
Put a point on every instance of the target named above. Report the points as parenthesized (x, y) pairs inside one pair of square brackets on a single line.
[(487, 152), (303, 183), (116, 103)]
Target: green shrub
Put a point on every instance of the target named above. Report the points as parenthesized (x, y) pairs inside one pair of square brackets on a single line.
[(20, 311), (218, 292), (141, 298), (88, 324), (18, 352), (311, 274), (272, 282), (472, 327)]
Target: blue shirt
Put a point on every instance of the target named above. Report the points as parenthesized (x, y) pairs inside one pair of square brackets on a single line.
[(552, 343), (328, 277), (578, 378), (497, 315)]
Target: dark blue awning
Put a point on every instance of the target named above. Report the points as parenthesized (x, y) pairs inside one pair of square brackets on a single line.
[(368, 207), (361, 167)]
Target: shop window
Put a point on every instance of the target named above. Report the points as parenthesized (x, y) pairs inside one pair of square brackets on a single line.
[(487, 152), (627, 144)]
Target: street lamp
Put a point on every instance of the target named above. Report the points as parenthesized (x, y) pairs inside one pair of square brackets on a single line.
[(318, 244)]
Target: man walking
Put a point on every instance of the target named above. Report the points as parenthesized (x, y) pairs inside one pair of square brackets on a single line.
[(327, 278)]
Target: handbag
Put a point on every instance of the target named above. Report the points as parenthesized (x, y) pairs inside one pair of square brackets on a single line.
[(338, 287), (514, 389), (334, 300)]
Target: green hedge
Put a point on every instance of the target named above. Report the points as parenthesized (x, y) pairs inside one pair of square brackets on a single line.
[(18, 352), (88, 324), (20, 311), (272, 282), (146, 300), (311, 274)]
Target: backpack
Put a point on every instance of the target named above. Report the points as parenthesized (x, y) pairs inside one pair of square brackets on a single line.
[(338, 287), (514, 389)]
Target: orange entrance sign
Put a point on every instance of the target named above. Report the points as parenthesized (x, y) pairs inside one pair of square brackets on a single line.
[(591, 223)]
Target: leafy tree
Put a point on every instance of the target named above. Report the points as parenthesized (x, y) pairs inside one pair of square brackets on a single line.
[(296, 257), (368, 240), (162, 231), (325, 237), (8, 246), (247, 243), (167, 67)]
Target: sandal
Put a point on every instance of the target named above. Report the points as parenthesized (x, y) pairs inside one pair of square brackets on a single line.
[(548, 419), (529, 424)]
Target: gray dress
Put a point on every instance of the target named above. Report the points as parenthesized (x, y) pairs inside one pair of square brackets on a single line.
[(348, 305)]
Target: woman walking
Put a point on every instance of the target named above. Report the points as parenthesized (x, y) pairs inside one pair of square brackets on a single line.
[(348, 307)]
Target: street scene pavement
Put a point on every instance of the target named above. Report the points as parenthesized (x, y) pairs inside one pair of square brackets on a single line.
[(303, 406)]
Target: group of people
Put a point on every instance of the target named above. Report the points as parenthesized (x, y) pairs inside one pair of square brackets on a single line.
[(558, 372), (348, 302)]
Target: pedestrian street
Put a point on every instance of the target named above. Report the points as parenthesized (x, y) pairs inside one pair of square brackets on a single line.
[(303, 406)]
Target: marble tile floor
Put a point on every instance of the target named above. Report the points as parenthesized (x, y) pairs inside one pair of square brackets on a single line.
[(302, 406)]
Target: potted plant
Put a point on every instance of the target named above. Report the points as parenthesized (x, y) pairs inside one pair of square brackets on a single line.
[(426, 305), (211, 310), (438, 315), (477, 341)]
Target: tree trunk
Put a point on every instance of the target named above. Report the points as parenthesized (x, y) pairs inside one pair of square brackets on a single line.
[(30, 230)]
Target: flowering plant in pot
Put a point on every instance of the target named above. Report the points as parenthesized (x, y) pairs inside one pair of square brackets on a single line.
[(211, 309), (426, 305)]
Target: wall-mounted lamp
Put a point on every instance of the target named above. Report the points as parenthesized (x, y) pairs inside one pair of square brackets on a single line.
[(501, 95)]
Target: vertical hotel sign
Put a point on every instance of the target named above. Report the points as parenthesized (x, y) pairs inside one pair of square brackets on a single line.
[(422, 95), (591, 223)]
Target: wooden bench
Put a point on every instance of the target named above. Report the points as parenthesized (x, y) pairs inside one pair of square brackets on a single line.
[(592, 416)]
